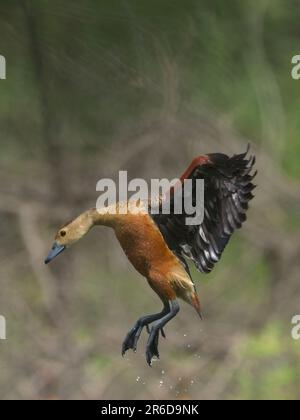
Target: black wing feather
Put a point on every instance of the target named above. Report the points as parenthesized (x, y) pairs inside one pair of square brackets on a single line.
[(228, 190)]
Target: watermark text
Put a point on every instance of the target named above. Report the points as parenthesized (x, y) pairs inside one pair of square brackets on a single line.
[(296, 328), (2, 328), (2, 67), (161, 196), (296, 68)]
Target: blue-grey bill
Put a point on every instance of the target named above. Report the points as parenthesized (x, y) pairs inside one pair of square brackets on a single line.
[(55, 251)]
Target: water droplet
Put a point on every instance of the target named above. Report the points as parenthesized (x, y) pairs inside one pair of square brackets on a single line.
[(161, 383), (192, 382), (162, 372), (138, 378), (184, 335), (189, 345)]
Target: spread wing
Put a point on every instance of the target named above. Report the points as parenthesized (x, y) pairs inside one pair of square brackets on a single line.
[(227, 191)]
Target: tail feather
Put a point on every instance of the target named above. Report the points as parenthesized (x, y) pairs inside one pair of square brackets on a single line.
[(196, 304)]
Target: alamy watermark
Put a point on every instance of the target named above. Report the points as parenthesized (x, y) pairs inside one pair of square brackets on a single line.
[(296, 67), (2, 67), (2, 328), (296, 328), (164, 196)]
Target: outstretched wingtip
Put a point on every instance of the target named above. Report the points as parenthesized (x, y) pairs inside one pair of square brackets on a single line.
[(244, 154), (248, 148)]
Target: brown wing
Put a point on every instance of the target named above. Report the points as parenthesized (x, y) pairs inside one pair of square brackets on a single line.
[(228, 190)]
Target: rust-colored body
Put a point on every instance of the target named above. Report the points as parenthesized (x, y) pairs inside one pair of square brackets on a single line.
[(146, 249)]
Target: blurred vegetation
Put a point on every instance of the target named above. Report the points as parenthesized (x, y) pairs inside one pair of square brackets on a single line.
[(97, 87)]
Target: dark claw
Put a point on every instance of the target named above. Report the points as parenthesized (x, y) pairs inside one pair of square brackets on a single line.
[(152, 347), (131, 340)]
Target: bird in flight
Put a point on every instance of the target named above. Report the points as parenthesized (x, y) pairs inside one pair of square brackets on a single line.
[(159, 245)]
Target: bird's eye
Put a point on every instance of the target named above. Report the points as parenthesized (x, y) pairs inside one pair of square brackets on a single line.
[(63, 233)]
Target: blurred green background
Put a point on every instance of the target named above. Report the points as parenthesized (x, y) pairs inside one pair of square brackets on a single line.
[(94, 87)]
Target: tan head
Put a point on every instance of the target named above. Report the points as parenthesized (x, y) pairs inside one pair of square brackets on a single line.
[(70, 233)]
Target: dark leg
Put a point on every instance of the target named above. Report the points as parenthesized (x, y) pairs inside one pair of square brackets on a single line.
[(133, 335), (152, 345)]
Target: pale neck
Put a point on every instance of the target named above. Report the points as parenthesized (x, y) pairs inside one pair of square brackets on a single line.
[(100, 219)]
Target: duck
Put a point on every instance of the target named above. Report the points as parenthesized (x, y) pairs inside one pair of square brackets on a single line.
[(161, 246)]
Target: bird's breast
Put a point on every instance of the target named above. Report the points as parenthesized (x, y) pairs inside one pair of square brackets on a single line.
[(143, 244)]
